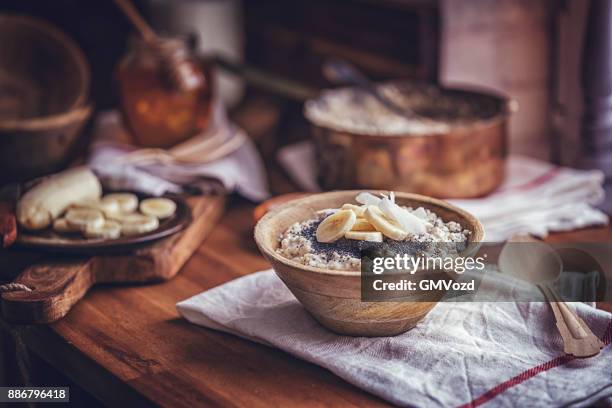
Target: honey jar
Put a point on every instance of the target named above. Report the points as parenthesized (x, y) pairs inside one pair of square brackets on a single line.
[(165, 92)]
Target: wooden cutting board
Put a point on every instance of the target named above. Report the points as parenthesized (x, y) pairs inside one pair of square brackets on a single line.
[(59, 282)]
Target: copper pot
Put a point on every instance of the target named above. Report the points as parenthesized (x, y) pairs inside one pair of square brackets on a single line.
[(466, 160)]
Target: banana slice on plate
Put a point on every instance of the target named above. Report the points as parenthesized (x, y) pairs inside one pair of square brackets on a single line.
[(90, 203), (361, 224), (335, 226), (61, 225), (357, 209), (158, 207), (108, 207), (81, 218), (371, 236), (134, 224), (390, 229), (126, 202), (109, 230)]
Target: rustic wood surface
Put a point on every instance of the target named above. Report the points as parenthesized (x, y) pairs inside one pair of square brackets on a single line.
[(129, 345), (57, 283)]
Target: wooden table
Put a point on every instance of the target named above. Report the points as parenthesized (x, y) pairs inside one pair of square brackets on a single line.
[(129, 345)]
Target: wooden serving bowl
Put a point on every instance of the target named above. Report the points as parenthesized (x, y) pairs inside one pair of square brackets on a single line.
[(44, 86), (334, 297)]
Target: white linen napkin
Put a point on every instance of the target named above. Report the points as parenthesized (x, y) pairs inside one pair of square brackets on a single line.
[(241, 171), (461, 353), (535, 198)]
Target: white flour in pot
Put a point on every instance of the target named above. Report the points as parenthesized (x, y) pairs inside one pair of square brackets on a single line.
[(356, 111)]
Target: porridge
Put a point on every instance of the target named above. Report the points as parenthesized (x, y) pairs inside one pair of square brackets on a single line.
[(335, 238)]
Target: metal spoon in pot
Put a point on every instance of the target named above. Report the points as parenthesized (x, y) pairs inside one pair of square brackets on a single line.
[(536, 262), (342, 72)]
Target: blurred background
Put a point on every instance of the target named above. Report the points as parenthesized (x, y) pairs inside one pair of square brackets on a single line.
[(529, 51)]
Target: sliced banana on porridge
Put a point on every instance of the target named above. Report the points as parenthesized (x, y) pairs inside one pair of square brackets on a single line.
[(407, 221), (335, 226), (361, 224), (371, 236), (134, 224), (357, 209), (335, 238), (109, 230), (81, 218), (126, 202), (389, 228), (158, 207)]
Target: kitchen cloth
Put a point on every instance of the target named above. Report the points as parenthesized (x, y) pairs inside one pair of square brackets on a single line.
[(460, 354), (241, 170), (536, 197)]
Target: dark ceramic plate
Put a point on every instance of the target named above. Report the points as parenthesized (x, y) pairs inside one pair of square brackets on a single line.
[(50, 240)]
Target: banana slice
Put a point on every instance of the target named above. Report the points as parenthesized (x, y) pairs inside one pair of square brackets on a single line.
[(81, 218), (371, 236), (108, 207), (357, 209), (390, 229), (335, 226), (90, 203), (61, 225), (158, 207), (134, 224), (361, 224), (126, 202), (109, 230)]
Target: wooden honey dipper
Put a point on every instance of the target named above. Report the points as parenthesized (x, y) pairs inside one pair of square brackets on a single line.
[(176, 69)]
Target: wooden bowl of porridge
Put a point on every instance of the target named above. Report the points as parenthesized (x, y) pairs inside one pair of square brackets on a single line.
[(333, 297)]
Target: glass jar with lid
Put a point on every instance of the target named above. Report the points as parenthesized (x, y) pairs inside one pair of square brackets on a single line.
[(164, 91)]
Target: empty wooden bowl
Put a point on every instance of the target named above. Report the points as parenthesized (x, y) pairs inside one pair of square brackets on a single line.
[(44, 86), (334, 297)]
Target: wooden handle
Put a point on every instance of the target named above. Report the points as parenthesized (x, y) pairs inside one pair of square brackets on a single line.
[(134, 16), (556, 311), (570, 317), (578, 339), (55, 287)]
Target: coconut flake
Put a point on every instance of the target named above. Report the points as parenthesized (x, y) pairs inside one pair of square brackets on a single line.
[(407, 221), (367, 199), (421, 213)]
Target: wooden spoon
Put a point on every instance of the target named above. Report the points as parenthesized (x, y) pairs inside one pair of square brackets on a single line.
[(536, 262), (175, 68), (339, 71)]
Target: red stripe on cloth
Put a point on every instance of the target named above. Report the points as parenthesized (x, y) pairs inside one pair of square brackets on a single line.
[(536, 182), (532, 372)]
